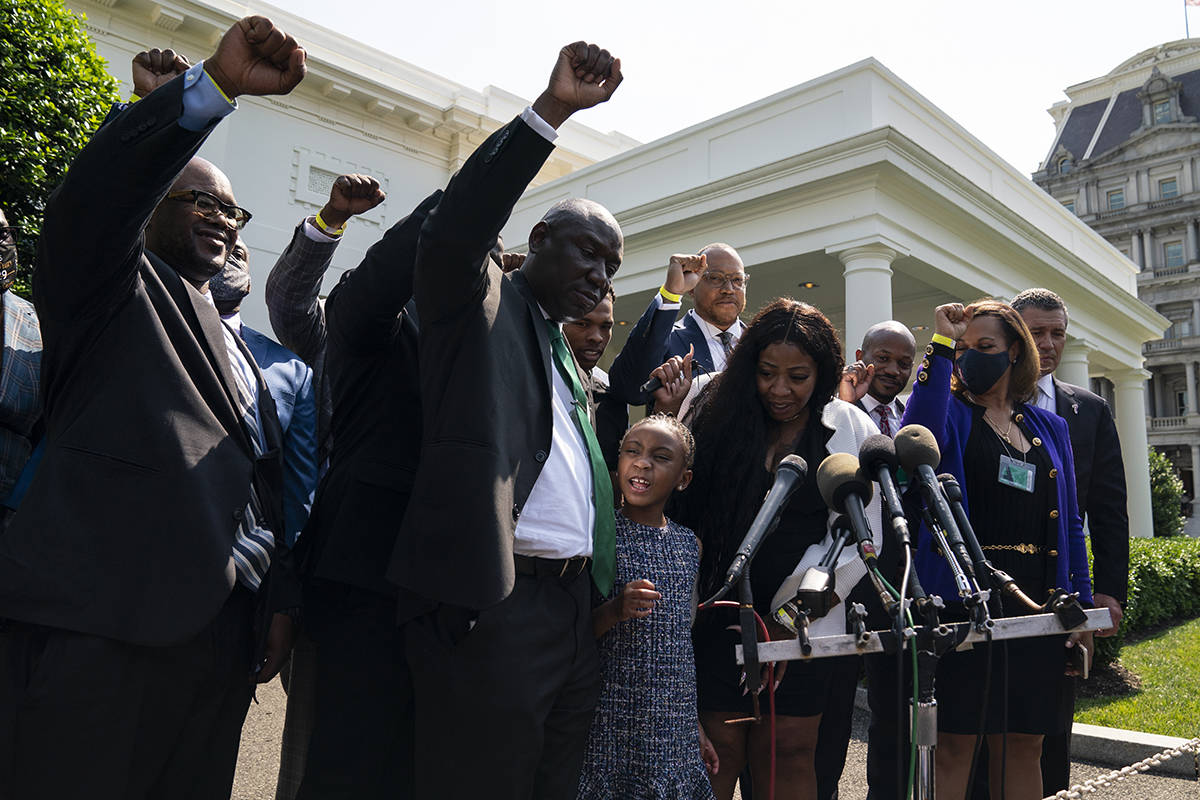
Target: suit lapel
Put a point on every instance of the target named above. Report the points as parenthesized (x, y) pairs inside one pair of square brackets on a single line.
[(538, 322), (699, 341), (1066, 405), (268, 414), (206, 327)]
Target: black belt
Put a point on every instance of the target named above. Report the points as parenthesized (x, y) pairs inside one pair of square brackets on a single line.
[(565, 568)]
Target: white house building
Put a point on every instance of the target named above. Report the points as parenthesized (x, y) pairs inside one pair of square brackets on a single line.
[(850, 191), (857, 185)]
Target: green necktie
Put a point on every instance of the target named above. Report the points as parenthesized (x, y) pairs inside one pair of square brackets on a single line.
[(604, 533)]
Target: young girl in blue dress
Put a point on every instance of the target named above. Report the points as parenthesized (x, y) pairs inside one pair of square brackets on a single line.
[(646, 742)]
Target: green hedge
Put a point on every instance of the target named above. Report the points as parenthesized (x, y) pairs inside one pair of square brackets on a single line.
[(1164, 585)]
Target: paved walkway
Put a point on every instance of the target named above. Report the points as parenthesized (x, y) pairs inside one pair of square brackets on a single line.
[(258, 764)]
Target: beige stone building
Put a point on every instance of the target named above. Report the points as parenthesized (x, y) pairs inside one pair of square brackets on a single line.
[(1126, 161)]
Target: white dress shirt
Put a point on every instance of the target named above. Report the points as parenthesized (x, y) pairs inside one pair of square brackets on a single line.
[(1046, 399), (712, 336), (892, 410)]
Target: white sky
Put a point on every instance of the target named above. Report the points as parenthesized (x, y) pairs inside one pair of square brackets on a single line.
[(994, 67)]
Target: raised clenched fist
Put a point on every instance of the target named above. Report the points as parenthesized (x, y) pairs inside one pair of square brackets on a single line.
[(950, 320), (584, 75), (153, 68), (349, 196), (254, 57), (683, 272)]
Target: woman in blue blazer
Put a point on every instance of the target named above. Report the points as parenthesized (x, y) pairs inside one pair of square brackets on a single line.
[(1015, 466)]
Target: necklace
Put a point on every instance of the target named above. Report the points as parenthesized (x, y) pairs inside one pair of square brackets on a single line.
[(1003, 434)]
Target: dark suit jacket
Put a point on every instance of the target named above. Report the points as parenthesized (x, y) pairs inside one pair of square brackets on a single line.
[(128, 527), (485, 385), (645, 350), (371, 366), (291, 386), (1100, 484)]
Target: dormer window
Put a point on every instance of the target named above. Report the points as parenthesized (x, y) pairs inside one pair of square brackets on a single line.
[(1064, 166), (1162, 112), (1160, 100)]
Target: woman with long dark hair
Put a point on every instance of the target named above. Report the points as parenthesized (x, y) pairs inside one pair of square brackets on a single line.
[(775, 398), (1016, 469)]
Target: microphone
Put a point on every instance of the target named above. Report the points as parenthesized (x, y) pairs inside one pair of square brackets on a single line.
[(877, 455), (655, 383), (846, 488), (790, 473), (919, 454)]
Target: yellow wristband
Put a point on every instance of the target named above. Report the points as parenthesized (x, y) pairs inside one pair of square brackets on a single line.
[(328, 231), (943, 340), (218, 86), (133, 98), (669, 296)]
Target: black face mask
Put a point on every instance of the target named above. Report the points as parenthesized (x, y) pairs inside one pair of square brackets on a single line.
[(8, 266), (980, 371)]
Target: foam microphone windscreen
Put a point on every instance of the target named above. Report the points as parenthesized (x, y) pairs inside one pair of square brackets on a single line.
[(915, 445), (838, 476), (878, 449)]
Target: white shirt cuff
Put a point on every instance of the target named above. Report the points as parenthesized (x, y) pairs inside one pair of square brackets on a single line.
[(531, 118), (316, 234), (665, 305)]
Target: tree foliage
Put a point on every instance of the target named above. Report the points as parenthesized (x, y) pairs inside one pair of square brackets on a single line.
[(54, 92), (1166, 495)]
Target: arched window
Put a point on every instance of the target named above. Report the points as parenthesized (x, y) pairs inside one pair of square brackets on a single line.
[(1064, 165)]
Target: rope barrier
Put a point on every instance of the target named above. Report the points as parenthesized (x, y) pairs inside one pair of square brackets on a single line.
[(1093, 785)]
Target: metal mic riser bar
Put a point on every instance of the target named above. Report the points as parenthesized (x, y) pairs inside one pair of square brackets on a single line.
[(874, 641)]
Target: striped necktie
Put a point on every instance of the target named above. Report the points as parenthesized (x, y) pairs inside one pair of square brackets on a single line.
[(604, 531), (253, 545), (726, 343), (885, 427)]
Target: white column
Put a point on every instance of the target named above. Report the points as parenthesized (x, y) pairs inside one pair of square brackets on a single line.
[(1190, 367), (1131, 428), (1160, 408), (1151, 259), (1073, 366), (1191, 242), (1135, 249), (868, 278), (1194, 328)]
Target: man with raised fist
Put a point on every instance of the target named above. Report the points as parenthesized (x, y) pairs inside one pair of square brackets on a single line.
[(145, 584), (510, 519)]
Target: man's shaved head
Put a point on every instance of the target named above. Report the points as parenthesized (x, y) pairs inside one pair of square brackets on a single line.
[(890, 326), (720, 304), (574, 251), (580, 208), (194, 245), (891, 347)]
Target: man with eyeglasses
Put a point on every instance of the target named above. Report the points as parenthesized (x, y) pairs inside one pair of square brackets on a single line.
[(143, 588), (20, 368), (715, 278)]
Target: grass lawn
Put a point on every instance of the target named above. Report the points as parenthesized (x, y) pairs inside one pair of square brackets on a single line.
[(1168, 662)]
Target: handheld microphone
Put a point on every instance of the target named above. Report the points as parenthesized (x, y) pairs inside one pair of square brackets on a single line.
[(919, 454), (655, 383), (846, 489), (788, 476), (877, 455)]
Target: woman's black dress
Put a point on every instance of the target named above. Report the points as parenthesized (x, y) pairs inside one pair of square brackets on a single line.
[(803, 523), (1004, 517)]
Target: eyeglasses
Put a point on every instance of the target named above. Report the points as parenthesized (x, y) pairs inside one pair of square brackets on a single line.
[(207, 205), (717, 280), (10, 233)]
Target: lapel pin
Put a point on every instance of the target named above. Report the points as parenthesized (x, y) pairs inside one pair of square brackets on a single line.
[(1074, 408)]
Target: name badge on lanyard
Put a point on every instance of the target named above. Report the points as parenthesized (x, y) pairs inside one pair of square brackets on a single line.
[(1017, 474)]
